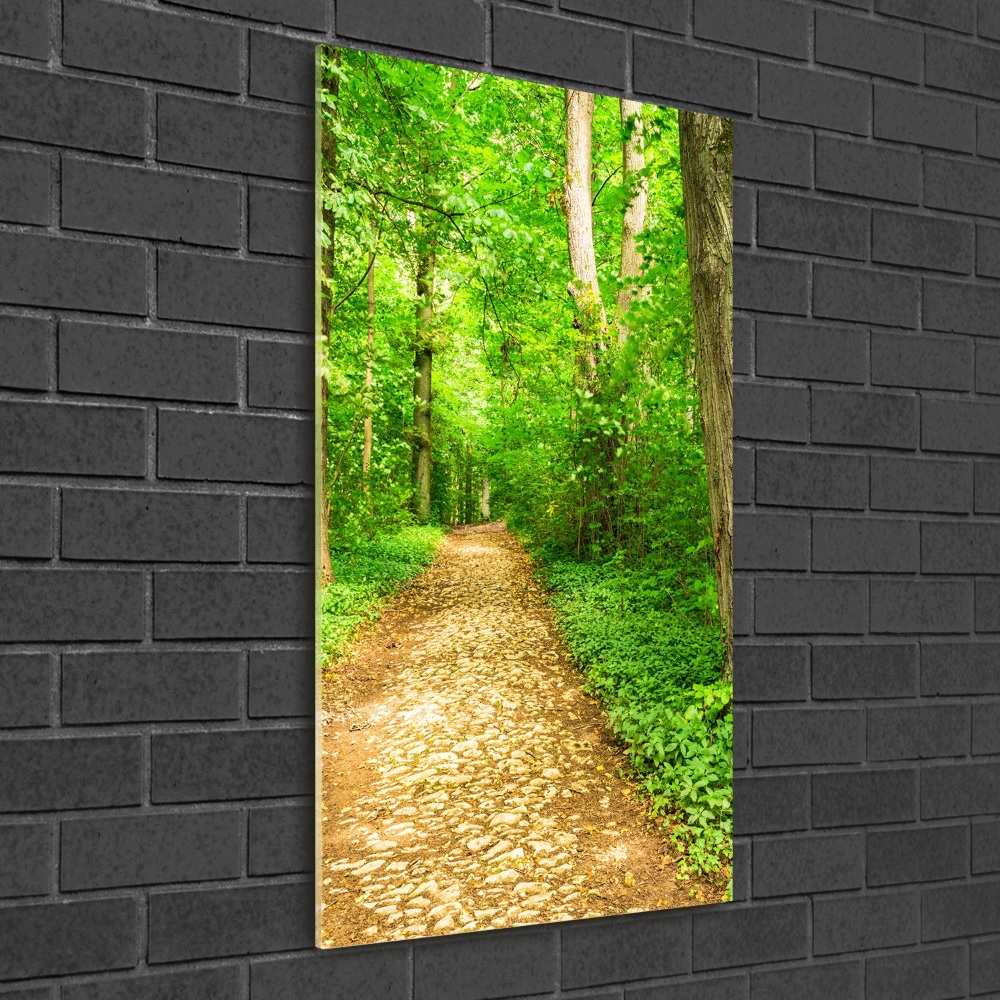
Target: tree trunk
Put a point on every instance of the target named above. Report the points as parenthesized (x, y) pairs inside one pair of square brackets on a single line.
[(706, 144), (366, 454), (468, 482), (633, 162), (484, 500), (422, 388)]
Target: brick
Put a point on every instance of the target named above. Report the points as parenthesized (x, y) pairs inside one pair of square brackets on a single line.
[(925, 484), (905, 115), (898, 857), (859, 43), (244, 920), (929, 974), (959, 790), (234, 447), (988, 368), (921, 605), (212, 289), (908, 359), (808, 736), (855, 798), (340, 972), (742, 345), (959, 15), (761, 25), (453, 28), (25, 679), (294, 13), (259, 763), (156, 686), (812, 225), (809, 479), (281, 221), (988, 22), (960, 307), (985, 846), (985, 964), (281, 840), (902, 732), (743, 474), (678, 71), (44, 774), (824, 352), (282, 69), (960, 425), (744, 201), (987, 605), (741, 739), (791, 94), (282, 374), (67, 111), (986, 728), (726, 937), (771, 672), (966, 547), (876, 670), (741, 870), (840, 979), (25, 860), (861, 923), (885, 297), (148, 363), (800, 605), (131, 41), (538, 43), (770, 803), (867, 170), (961, 186), (25, 350), (665, 15), (56, 605), (988, 251), (221, 982), (770, 412), (523, 961), (638, 947), (862, 417), (233, 605), (24, 187), (243, 139), (24, 30), (280, 529), (784, 866), (953, 64), (864, 545), (923, 241), (69, 438), (960, 910), (53, 939), (26, 522), (129, 525), (157, 204), (66, 273), (281, 683), (987, 497), (770, 284), (960, 668), (776, 155), (146, 850), (716, 988)]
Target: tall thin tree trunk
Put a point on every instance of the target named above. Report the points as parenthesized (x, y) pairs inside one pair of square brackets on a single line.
[(423, 357), (484, 500), (707, 176), (634, 219), (468, 482), (366, 454)]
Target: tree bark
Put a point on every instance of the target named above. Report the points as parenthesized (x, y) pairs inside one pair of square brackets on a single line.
[(468, 482), (366, 454), (634, 219), (484, 500), (706, 146), (423, 357)]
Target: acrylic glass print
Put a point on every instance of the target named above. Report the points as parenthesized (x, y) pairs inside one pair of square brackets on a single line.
[(524, 503)]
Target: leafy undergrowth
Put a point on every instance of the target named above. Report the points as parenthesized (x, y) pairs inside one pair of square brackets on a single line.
[(655, 668), (366, 571)]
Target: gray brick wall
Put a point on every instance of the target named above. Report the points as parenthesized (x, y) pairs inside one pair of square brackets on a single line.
[(155, 508)]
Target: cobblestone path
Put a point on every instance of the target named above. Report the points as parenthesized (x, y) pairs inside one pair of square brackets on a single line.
[(468, 783)]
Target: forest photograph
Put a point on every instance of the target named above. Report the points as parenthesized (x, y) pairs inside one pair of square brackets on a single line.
[(524, 503)]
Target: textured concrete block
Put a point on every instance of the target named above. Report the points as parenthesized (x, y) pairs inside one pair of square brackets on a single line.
[(867, 170), (294, 13), (280, 529), (744, 208), (761, 25), (24, 185), (24, 30), (954, 64), (986, 728), (770, 412), (454, 28), (960, 425), (862, 923), (923, 975), (809, 479), (796, 606), (808, 736), (281, 221), (742, 345), (145, 850), (770, 673), (985, 846), (132, 41), (923, 241), (664, 15), (988, 251), (921, 605), (790, 94), (865, 545), (218, 982), (149, 363), (905, 115), (961, 185), (259, 763), (770, 284), (127, 525), (985, 966), (903, 732), (813, 225), (921, 484), (987, 493), (777, 155), (824, 352), (236, 605), (951, 668), (987, 605), (814, 982), (792, 865), (25, 350), (908, 359), (281, 683), (963, 548), (38, 775), (959, 790), (770, 803), (859, 417), (988, 368), (743, 474), (713, 988), (282, 69), (853, 798), (25, 859), (885, 297), (25, 679), (343, 971), (960, 15), (957, 307), (234, 447), (876, 670), (897, 857), (281, 840), (26, 522), (282, 374), (859, 43), (960, 910), (725, 937), (149, 686)]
